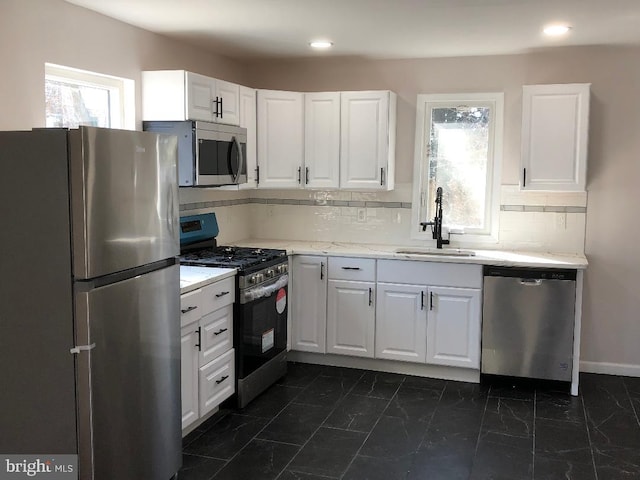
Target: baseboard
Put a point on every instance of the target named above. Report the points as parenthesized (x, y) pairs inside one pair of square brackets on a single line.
[(625, 369)]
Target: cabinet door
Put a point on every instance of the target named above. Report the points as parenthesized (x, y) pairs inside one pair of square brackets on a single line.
[(229, 94), (280, 139), (200, 95), (248, 121), (322, 139), (189, 374), (350, 318), (453, 327), (309, 313), (401, 322), (367, 140), (555, 122)]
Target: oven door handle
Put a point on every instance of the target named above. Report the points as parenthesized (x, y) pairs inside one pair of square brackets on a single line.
[(264, 290), (240, 160)]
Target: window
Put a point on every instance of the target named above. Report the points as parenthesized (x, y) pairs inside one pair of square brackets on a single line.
[(77, 97), (459, 148)]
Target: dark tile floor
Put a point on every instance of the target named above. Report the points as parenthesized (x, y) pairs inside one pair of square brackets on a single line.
[(325, 422)]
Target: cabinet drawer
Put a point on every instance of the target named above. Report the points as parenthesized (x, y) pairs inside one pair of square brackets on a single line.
[(190, 307), (430, 273), (217, 382), (217, 334), (218, 295), (345, 268)]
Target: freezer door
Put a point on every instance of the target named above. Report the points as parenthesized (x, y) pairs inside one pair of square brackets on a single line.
[(124, 197), (129, 383)]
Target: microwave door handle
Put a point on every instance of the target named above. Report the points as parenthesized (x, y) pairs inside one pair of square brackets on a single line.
[(240, 160)]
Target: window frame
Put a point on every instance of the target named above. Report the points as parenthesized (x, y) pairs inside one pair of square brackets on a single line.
[(424, 103), (122, 100)]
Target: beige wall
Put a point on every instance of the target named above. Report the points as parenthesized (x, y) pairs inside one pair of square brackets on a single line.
[(33, 32), (611, 321)]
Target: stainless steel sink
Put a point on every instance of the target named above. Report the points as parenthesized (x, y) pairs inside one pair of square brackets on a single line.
[(442, 252)]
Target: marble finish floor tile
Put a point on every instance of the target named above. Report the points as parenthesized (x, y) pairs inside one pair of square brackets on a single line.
[(323, 423)]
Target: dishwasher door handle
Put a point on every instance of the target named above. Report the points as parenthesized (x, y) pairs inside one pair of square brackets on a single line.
[(531, 282)]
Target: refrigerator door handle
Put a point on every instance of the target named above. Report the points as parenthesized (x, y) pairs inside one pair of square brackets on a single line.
[(80, 348)]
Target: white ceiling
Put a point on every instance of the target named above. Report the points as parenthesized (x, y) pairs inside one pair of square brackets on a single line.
[(378, 28)]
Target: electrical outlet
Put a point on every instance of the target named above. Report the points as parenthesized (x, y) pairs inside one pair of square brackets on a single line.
[(362, 214)]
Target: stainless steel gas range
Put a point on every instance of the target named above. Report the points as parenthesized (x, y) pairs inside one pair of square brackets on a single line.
[(260, 311)]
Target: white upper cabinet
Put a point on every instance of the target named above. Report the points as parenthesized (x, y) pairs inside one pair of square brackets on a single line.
[(280, 139), (248, 121), (555, 124), (182, 95), (322, 140), (367, 140)]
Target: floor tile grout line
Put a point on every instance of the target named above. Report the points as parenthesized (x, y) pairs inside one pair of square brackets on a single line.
[(261, 430), (432, 415), (586, 423), (204, 456), (373, 428), (484, 412), (321, 423)]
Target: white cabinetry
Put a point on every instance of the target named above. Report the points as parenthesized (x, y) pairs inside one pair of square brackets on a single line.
[(182, 95), (438, 301), (401, 322), (351, 306), (309, 303), (248, 121), (555, 124), (367, 140), (322, 140), (207, 355), (453, 327), (280, 138)]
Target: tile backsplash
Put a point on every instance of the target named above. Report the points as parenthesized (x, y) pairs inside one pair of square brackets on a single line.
[(535, 221)]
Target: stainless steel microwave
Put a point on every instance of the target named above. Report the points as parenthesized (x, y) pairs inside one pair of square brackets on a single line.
[(209, 154)]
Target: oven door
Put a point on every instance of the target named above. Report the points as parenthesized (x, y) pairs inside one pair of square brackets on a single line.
[(260, 325), (220, 158)]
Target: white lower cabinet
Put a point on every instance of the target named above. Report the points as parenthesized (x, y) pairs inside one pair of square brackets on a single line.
[(453, 328), (217, 382), (207, 357), (309, 303), (350, 318), (401, 322), (189, 364)]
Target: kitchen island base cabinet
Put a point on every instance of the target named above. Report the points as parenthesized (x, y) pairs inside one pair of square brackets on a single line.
[(309, 303)]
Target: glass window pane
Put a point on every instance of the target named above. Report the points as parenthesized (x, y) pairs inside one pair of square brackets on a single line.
[(70, 105), (458, 158)]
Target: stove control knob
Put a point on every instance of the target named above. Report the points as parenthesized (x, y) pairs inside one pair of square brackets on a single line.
[(259, 277), (282, 268), (252, 280), (269, 273)]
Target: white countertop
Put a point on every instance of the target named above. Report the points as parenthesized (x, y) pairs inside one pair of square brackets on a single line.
[(192, 278), (506, 258)]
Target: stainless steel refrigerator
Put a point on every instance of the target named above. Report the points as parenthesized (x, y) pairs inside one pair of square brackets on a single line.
[(89, 300)]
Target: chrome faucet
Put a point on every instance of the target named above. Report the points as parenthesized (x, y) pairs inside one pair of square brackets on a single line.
[(436, 225)]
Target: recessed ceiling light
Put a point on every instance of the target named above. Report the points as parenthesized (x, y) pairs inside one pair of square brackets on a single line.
[(556, 30), (321, 44)]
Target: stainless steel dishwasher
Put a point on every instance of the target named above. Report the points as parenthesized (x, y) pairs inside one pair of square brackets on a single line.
[(527, 322)]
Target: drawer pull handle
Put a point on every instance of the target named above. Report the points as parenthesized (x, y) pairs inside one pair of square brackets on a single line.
[(321, 270), (422, 300), (218, 382), (351, 268), (222, 330), (430, 300), (221, 294), (370, 296), (188, 309)]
